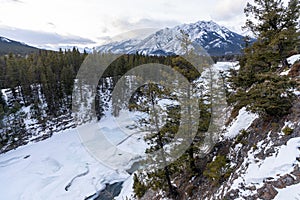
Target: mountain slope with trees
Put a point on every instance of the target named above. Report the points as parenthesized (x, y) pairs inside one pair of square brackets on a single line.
[(36, 94), (10, 46)]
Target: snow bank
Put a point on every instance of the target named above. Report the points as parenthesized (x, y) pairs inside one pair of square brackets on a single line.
[(114, 141), (243, 121), (254, 171), (276, 165), (225, 66), (127, 190), (291, 60), (43, 170), (291, 192)]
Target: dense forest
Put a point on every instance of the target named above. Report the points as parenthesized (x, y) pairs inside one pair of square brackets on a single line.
[(43, 83)]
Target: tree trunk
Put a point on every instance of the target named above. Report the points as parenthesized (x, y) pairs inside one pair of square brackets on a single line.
[(191, 158), (172, 190)]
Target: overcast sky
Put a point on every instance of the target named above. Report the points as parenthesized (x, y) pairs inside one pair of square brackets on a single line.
[(92, 22)]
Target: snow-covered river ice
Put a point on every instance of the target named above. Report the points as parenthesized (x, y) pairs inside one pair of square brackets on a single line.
[(63, 166)]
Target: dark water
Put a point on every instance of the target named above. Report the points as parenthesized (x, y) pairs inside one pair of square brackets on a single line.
[(113, 190), (108, 193)]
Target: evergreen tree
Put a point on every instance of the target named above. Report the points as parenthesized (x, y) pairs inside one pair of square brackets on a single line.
[(157, 138), (67, 82), (275, 28), (277, 36)]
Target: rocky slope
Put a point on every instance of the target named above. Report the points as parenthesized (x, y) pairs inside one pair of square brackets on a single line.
[(262, 156)]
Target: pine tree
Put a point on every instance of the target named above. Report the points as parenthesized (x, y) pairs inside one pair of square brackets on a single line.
[(197, 104), (277, 36), (160, 175), (276, 29), (139, 188), (67, 79)]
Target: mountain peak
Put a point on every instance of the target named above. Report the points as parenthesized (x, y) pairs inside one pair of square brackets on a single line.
[(215, 39)]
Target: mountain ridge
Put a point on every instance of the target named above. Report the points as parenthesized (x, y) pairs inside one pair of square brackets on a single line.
[(216, 40), (11, 46)]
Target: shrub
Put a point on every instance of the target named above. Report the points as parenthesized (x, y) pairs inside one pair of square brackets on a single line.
[(217, 169), (287, 130), (270, 95), (275, 126), (254, 147), (241, 137), (139, 188)]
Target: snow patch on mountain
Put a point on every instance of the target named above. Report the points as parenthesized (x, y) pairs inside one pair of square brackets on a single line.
[(291, 60), (254, 172), (215, 39), (4, 39), (242, 121)]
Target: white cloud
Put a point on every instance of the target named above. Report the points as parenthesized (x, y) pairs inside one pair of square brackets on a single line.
[(228, 9), (98, 19), (40, 38), (230, 13), (10, 1)]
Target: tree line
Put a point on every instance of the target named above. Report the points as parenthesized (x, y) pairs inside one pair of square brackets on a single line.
[(41, 81)]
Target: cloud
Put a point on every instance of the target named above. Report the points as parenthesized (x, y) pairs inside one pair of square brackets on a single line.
[(40, 38), (11, 1), (143, 23), (129, 29), (228, 9), (230, 13)]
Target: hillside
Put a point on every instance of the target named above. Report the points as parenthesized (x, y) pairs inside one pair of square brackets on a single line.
[(10, 46), (263, 159)]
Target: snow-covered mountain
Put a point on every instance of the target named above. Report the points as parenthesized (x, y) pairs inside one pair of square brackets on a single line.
[(215, 39)]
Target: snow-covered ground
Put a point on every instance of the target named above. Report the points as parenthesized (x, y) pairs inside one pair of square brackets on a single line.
[(114, 141), (254, 171), (291, 60), (274, 166), (76, 163), (224, 66), (43, 170), (64, 167), (291, 192), (242, 121)]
